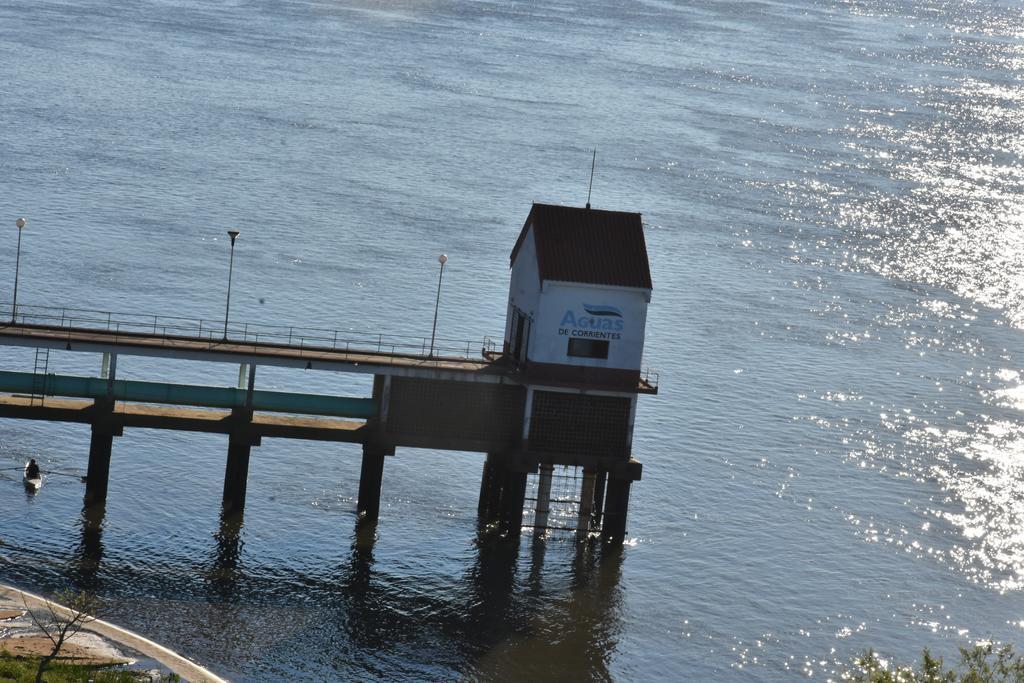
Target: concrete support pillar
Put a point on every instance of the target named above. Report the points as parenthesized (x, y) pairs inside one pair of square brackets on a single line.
[(513, 496), (100, 444), (599, 486), (586, 503), (98, 473), (540, 517), (491, 484), (370, 478), (615, 508), (236, 472), (371, 474)]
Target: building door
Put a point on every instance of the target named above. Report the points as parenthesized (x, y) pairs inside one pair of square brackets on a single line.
[(517, 343), (520, 333)]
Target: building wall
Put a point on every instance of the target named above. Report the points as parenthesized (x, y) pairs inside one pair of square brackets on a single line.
[(524, 286), (455, 415), (563, 315)]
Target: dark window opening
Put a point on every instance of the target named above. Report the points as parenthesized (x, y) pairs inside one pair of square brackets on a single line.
[(517, 339), (588, 348), (520, 341)]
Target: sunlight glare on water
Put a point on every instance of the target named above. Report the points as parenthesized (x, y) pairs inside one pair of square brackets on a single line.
[(830, 190)]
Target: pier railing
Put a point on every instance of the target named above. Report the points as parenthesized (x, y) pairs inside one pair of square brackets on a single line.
[(240, 332), (63, 317)]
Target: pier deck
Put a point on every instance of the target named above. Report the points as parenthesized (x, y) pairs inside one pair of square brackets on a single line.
[(210, 420), (490, 367), (260, 353)]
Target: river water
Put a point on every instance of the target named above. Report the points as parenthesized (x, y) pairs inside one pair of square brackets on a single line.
[(835, 459)]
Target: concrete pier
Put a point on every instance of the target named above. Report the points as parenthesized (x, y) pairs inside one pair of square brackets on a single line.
[(519, 419), (491, 484), (559, 389), (599, 488), (543, 509), (513, 497), (486, 406), (236, 473), (370, 479), (100, 445), (613, 530), (586, 503)]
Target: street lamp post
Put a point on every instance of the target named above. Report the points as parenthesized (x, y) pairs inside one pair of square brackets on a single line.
[(231, 266), (442, 259), (17, 264)]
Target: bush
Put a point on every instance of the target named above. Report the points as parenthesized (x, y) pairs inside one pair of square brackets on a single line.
[(980, 664)]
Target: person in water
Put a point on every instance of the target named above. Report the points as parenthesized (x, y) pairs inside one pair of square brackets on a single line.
[(32, 469)]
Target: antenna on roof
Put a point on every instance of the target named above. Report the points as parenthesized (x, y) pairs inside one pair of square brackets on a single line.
[(593, 161)]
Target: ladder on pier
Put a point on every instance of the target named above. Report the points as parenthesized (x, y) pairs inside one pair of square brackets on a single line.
[(42, 366)]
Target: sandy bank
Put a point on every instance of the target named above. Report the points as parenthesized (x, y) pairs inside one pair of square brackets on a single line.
[(13, 602)]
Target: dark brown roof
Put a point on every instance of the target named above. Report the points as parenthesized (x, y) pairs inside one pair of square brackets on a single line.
[(588, 245)]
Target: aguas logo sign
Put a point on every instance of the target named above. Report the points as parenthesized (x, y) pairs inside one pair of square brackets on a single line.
[(599, 322)]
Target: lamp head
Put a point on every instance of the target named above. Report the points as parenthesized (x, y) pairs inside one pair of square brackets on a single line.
[(20, 223), (442, 259), (232, 234)]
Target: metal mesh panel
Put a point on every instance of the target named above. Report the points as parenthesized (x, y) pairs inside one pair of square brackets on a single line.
[(564, 506), (579, 424)]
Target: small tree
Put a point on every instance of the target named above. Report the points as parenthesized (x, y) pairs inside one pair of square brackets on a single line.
[(59, 624)]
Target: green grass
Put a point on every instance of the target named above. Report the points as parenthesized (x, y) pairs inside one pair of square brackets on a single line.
[(18, 670)]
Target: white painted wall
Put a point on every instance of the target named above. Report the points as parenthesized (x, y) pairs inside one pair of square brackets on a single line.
[(558, 314), (562, 315), (524, 287)]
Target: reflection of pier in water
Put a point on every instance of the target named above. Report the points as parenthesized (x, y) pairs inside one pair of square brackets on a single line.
[(507, 615), (498, 622), (89, 553)]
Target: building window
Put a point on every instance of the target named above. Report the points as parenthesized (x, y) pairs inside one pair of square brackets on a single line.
[(588, 348)]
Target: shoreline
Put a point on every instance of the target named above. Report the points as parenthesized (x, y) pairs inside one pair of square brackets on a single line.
[(176, 663)]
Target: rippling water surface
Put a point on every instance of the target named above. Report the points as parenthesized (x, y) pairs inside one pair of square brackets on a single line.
[(831, 191)]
